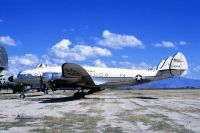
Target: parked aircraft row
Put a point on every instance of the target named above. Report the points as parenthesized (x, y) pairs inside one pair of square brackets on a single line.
[(88, 80)]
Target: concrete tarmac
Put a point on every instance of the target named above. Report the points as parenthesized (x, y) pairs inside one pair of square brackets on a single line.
[(117, 111)]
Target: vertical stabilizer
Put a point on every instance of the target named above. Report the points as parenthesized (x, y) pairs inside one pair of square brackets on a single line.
[(173, 66), (166, 64), (178, 65), (160, 65)]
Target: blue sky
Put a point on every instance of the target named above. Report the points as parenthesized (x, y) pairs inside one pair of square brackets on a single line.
[(120, 33)]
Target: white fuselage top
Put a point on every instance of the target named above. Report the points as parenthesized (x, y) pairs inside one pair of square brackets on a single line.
[(95, 72)]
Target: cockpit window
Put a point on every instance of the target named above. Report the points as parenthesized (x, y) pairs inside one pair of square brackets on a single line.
[(50, 75), (24, 76)]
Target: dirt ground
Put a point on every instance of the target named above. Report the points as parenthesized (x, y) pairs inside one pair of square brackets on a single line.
[(117, 111)]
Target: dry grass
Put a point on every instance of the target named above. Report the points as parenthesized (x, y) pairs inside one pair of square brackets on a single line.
[(157, 122), (70, 122)]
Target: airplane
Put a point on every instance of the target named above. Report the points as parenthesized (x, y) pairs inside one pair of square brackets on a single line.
[(75, 77)]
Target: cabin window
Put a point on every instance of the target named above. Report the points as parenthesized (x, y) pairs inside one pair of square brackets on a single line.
[(122, 75), (106, 75), (95, 74), (101, 75)]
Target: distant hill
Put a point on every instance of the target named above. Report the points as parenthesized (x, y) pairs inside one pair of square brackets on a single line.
[(177, 82)]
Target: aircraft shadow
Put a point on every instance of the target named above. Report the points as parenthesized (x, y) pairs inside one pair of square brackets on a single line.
[(33, 95), (71, 98), (4, 93), (58, 100), (139, 97), (143, 97)]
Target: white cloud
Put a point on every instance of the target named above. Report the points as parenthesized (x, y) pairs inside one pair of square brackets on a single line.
[(125, 64), (166, 44), (124, 56), (113, 62), (62, 50), (46, 59), (57, 55), (129, 65), (118, 41), (197, 68), (18, 63), (7, 40), (182, 43), (99, 63), (27, 60)]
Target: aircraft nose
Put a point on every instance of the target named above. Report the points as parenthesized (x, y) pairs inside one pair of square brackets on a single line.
[(12, 78)]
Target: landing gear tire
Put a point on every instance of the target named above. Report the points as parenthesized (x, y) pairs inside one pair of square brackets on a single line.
[(79, 95), (22, 96), (14, 91)]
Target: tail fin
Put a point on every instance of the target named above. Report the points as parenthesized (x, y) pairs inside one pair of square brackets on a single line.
[(178, 65), (160, 65), (166, 64), (172, 66)]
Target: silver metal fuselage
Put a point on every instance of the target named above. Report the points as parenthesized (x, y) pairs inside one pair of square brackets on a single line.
[(100, 76)]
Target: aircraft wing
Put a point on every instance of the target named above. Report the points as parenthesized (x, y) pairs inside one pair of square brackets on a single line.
[(73, 75)]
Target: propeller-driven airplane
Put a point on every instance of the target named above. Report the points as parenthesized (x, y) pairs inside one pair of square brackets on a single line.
[(72, 76)]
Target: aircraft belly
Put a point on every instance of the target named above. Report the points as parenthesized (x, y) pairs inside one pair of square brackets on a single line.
[(118, 81), (103, 80)]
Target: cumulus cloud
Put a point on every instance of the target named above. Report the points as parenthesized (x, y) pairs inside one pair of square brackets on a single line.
[(99, 63), (182, 43), (197, 68), (118, 41), (27, 59), (168, 44), (7, 40), (59, 53), (17, 63), (129, 65), (62, 50)]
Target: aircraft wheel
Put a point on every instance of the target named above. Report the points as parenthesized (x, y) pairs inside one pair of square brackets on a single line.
[(79, 95), (82, 94), (14, 91), (22, 96)]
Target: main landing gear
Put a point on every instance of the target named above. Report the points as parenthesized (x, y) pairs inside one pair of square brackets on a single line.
[(22, 95), (79, 95)]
